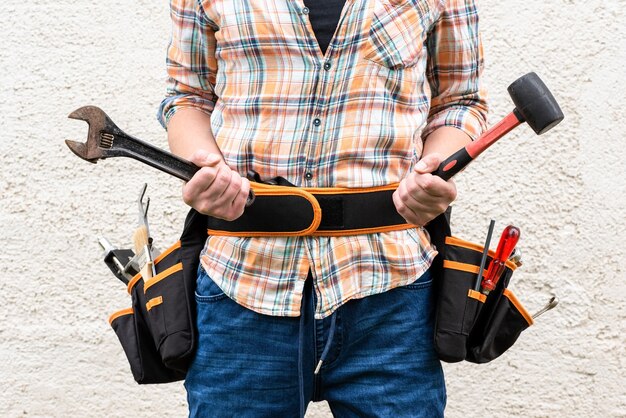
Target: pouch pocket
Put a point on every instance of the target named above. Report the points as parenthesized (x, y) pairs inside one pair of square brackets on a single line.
[(457, 309), (143, 357), (506, 322), (397, 33), (167, 309), (468, 323)]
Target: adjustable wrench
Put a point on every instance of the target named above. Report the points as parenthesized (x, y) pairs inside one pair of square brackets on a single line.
[(106, 140)]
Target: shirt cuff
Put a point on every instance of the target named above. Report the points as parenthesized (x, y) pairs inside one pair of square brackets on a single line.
[(465, 118), (171, 104)]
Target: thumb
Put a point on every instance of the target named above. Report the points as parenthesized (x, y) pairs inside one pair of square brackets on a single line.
[(203, 158), (428, 163)]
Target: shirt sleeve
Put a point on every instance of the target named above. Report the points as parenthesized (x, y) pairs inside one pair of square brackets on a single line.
[(191, 62), (455, 65)]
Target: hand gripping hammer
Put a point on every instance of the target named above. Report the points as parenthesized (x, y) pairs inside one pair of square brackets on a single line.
[(534, 104)]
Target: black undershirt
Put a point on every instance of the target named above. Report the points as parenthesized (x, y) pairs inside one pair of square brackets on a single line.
[(324, 16)]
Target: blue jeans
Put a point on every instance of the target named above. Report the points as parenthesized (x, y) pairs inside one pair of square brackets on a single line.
[(380, 361)]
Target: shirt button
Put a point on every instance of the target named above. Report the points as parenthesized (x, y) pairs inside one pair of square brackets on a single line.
[(327, 66), (308, 175), (317, 122), (305, 11)]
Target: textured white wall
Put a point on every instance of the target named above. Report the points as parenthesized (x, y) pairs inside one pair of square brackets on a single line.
[(58, 356)]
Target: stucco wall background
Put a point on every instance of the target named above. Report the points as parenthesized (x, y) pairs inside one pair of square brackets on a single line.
[(565, 190)]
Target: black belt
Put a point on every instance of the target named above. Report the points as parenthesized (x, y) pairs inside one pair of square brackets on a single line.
[(292, 211)]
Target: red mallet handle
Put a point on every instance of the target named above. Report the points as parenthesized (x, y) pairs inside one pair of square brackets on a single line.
[(460, 159)]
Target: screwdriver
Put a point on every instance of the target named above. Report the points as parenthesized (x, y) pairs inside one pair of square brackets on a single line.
[(506, 245), (483, 260)]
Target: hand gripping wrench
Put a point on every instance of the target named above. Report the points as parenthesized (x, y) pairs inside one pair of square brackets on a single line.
[(106, 140)]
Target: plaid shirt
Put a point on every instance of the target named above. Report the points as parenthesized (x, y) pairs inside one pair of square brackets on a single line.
[(395, 71)]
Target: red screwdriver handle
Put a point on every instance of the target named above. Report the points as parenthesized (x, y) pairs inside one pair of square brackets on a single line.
[(506, 245)]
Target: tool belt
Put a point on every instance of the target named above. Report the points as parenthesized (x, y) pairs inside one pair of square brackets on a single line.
[(469, 325), (158, 332), (284, 210)]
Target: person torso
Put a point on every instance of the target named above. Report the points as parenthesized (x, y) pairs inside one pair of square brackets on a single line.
[(349, 115)]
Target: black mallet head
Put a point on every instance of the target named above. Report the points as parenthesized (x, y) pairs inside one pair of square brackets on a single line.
[(534, 103)]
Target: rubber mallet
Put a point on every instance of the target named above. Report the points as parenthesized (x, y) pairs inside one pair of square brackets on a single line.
[(534, 104)]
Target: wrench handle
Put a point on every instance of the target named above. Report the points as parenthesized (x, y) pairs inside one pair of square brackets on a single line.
[(128, 146)]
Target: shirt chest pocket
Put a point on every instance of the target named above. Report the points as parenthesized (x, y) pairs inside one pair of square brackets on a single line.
[(398, 32)]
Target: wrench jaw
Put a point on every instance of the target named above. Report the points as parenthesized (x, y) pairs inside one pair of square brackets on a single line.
[(100, 138), (80, 150)]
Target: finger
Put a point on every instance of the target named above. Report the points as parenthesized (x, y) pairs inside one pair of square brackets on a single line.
[(231, 203), (427, 186), (428, 163), (404, 211), (407, 191), (201, 181), (221, 184), (203, 158), (239, 203)]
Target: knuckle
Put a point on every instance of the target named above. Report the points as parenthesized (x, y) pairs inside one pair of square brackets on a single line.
[(245, 186), (197, 157), (412, 186), (187, 196), (428, 183), (203, 207), (231, 214), (205, 175), (405, 212), (403, 194), (396, 200), (453, 195), (236, 179), (223, 178), (236, 211)]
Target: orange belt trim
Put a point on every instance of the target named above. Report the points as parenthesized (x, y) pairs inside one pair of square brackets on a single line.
[(457, 242), (261, 189), (115, 315), (308, 193), (154, 302), (510, 296), (161, 256), (455, 265), (167, 252), (346, 232), (162, 275), (133, 282), (476, 295)]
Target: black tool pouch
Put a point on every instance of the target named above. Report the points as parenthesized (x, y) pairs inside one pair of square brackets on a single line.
[(158, 333), (469, 325)]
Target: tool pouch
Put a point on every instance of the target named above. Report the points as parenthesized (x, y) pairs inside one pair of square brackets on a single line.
[(469, 325), (158, 332)]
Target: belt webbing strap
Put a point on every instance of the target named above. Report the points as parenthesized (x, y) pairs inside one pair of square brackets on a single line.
[(293, 211)]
